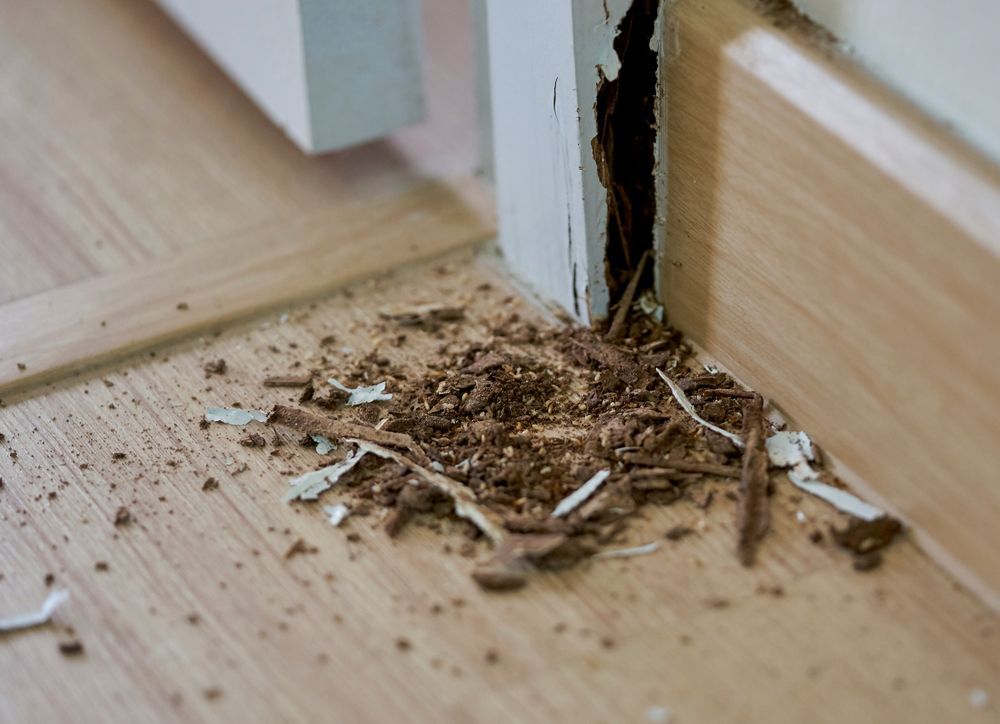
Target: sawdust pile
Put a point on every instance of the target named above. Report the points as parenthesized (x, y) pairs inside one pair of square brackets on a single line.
[(544, 440)]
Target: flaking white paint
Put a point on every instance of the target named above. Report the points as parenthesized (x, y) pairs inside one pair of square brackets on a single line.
[(546, 61)]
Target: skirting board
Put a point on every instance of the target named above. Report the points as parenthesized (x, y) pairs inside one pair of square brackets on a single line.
[(70, 327), (841, 254)]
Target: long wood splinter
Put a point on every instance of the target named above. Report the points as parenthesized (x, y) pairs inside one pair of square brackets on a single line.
[(752, 515)]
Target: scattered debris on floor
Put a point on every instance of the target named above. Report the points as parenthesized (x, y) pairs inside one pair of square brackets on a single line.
[(71, 647), (630, 552), (122, 517), (362, 395), (234, 415), (310, 485), (795, 450), (324, 446), (35, 618), (979, 698), (573, 501), (336, 513), (214, 367), (545, 441), (288, 381), (752, 514)]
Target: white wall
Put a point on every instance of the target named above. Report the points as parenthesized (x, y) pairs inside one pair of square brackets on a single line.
[(944, 55)]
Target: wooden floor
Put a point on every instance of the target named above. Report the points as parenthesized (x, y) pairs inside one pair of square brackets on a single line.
[(128, 156), (127, 153), (200, 617)]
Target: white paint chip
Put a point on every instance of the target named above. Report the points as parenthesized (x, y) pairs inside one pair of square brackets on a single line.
[(840, 499), (324, 446), (643, 550), (234, 415), (658, 715), (684, 402), (336, 513), (310, 485), (572, 501), (979, 698), (362, 395), (35, 618), (794, 449), (788, 448), (650, 306)]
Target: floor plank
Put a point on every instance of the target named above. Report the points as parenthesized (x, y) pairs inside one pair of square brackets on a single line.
[(117, 312), (315, 637), (132, 167)]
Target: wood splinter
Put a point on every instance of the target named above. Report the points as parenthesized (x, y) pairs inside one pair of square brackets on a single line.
[(752, 515), (288, 380), (466, 504), (617, 328), (313, 424)]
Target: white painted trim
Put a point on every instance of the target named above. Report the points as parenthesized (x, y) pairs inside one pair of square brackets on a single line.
[(545, 64), (330, 73)]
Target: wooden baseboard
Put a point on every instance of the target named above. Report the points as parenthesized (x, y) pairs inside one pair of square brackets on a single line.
[(841, 254), (73, 326)]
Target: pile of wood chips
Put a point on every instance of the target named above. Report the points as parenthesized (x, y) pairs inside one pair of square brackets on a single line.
[(496, 434)]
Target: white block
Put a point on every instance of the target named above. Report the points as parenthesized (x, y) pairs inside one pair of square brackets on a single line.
[(330, 73)]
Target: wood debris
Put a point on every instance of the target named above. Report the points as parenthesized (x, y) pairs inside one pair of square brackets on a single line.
[(466, 505), (752, 515), (428, 316), (617, 329), (122, 517), (313, 424), (214, 367), (288, 380), (494, 436), (299, 548), (866, 536), (678, 531), (71, 647)]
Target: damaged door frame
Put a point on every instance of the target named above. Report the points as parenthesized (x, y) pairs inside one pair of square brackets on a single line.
[(576, 108), (822, 233)]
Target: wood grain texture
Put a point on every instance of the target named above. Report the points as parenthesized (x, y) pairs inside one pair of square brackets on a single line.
[(842, 255), (124, 143), (116, 313), (199, 596), (135, 173)]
